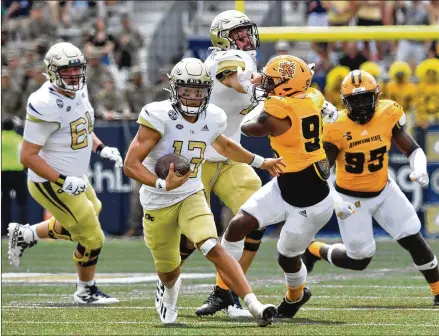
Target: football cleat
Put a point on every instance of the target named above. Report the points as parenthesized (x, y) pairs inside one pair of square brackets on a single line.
[(167, 307), (92, 295), (236, 310), (21, 237), (218, 300), (436, 300), (309, 260), (263, 314), (288, 309), (160, 290)]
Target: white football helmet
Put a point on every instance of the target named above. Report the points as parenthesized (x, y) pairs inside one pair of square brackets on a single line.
[(191, 86), (65, 55), (223, 26)]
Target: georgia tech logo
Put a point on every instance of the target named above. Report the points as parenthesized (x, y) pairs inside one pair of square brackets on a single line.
[(287, 69)]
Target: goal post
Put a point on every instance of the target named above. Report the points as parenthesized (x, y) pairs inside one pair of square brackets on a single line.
[(348, 33)]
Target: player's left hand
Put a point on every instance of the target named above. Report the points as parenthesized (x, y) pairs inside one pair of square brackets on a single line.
[(112, 153), (330, 111), (311, 67), (273, 166), (244, 78), (421, 178)]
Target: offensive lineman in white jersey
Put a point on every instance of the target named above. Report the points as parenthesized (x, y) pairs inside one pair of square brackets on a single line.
[(58, 141), (186, 124), (235, 39)]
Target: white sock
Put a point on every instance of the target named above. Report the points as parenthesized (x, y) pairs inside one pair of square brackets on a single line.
[(86, 283), (34, 231), (250, 298), (297, 279)]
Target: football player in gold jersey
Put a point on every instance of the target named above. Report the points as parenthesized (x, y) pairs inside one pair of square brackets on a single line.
[(291, 117), (358, 144)]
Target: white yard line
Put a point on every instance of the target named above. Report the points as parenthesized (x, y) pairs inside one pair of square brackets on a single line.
[(57, 305), (127, 296), (342, 324), (108, 278)]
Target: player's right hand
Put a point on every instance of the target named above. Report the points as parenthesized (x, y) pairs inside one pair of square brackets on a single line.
[(173, 181), (273, 166), (74, 185), (344, 209)]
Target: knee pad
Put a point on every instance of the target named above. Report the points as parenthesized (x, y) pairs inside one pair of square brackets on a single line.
[(254, 235), (359, 251), (89, 256), (185, 251), (64, 235), (208, 245)]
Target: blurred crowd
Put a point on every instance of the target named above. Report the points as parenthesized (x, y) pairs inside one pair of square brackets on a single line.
[(407, 70), (115, 82)]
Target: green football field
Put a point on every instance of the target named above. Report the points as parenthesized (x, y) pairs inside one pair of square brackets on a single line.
[(390, 298)]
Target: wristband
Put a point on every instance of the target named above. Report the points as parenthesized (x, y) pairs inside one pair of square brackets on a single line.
[(160, 184), (60, 180), (99, 149), (257, 162)]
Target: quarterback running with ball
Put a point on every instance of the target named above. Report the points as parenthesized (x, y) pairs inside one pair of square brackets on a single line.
[(187, 124)]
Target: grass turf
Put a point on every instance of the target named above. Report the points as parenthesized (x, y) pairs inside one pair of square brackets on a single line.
[(389, 298)]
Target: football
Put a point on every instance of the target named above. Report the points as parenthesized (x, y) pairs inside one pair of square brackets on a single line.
[(181, 165)]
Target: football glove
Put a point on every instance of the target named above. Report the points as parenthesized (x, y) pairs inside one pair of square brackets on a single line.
[(329, 111), (343, 209), (112, 153), (420, 177), (74, 185)]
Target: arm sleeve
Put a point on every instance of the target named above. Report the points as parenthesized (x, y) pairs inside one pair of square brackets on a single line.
[(149, 118), (38, 132)]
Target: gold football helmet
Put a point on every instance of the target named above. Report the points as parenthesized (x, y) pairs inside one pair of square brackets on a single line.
[(359, 93), (284, 75)]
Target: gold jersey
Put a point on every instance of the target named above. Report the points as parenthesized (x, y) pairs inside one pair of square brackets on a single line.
[(301, 145), (362, 163)]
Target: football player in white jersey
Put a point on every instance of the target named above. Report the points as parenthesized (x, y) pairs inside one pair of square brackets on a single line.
[(235, 39), (58, 141), (187, 124)]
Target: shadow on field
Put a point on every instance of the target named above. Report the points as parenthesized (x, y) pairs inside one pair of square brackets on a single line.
[(298, 320)]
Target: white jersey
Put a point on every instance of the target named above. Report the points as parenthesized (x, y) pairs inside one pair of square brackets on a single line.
[(182, 137), (63, 126), (235, 104)]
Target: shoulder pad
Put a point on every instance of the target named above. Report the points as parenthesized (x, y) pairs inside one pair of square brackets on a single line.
[(317, 98), (153, 116), (220, 61), (275, 106), (217, 116), (41, 107)]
